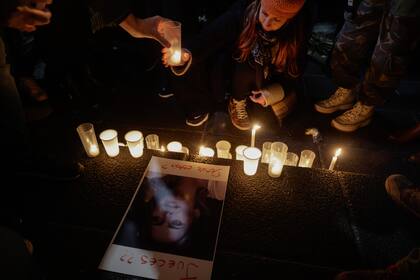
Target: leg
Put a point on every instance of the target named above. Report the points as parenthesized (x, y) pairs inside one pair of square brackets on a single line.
[(351, 51), (397, 41), (193, 94), (355, 40), (243, 82)]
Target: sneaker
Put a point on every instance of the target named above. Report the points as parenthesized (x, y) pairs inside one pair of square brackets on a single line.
[(404, 193), (197, 120), (359, 116), (238, 114), (342, 99)]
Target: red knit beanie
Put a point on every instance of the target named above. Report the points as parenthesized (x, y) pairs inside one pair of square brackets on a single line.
[(282, 7)]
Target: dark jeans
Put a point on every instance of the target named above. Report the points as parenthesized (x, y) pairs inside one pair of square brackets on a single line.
[(204, 85), (387, 28)]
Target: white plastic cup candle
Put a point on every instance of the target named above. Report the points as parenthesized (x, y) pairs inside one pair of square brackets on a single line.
[(334, 159), (266, 152), (109, 139), (252, 156), (206, 152), (277, 159), (291, 159), (306, 158), (172, 33), (87, 136), (152, 142), (135, 144), (240, 152), (254, 131), (174, 146), (223, 148)]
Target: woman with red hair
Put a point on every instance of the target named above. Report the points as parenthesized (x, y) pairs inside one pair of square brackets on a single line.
[(267, 42)]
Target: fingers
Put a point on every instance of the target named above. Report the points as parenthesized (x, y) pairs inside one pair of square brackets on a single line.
[(28, 28), (34, 16), (185, 56)]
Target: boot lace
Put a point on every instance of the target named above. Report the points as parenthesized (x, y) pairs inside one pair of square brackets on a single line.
[(240, 109)]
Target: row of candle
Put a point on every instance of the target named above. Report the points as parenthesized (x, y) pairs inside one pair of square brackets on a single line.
[(274, 154)]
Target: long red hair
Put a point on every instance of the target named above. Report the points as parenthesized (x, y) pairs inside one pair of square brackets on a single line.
[(290, 42)]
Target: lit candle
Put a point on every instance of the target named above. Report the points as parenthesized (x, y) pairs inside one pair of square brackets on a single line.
[(334, 159), (277, 158), (87, 135), (176, 57), (162, 149), (206, 152), (275, 168), (254, 130), (93, 151), (252, 156), (223, 148), (307, 158), (240, 152), (109, 139), (135, 145), (174, 146)]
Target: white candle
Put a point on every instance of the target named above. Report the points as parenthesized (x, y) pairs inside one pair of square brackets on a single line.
[(277, 158), (174, 146), (275, 168), (109, 139), (135, 144), (206, 152), (252, 156), (254, 130), (307, 158), (87, 135), (223, 148), (334, 159)]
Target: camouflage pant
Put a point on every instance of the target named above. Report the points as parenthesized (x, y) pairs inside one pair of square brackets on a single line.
[(389, 28)]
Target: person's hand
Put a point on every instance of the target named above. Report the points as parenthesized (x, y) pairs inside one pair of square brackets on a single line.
[(258, 97), (25, 18), (185, 56), (151, 27)]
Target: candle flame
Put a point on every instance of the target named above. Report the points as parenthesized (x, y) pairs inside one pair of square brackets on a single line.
[(162, 148), (256, 126), (338, 152)]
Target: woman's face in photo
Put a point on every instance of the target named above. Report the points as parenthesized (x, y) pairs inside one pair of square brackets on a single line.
[(174, 213), (271, 21)]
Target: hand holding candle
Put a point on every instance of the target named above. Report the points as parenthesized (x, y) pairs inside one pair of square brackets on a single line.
[(334, 159)]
